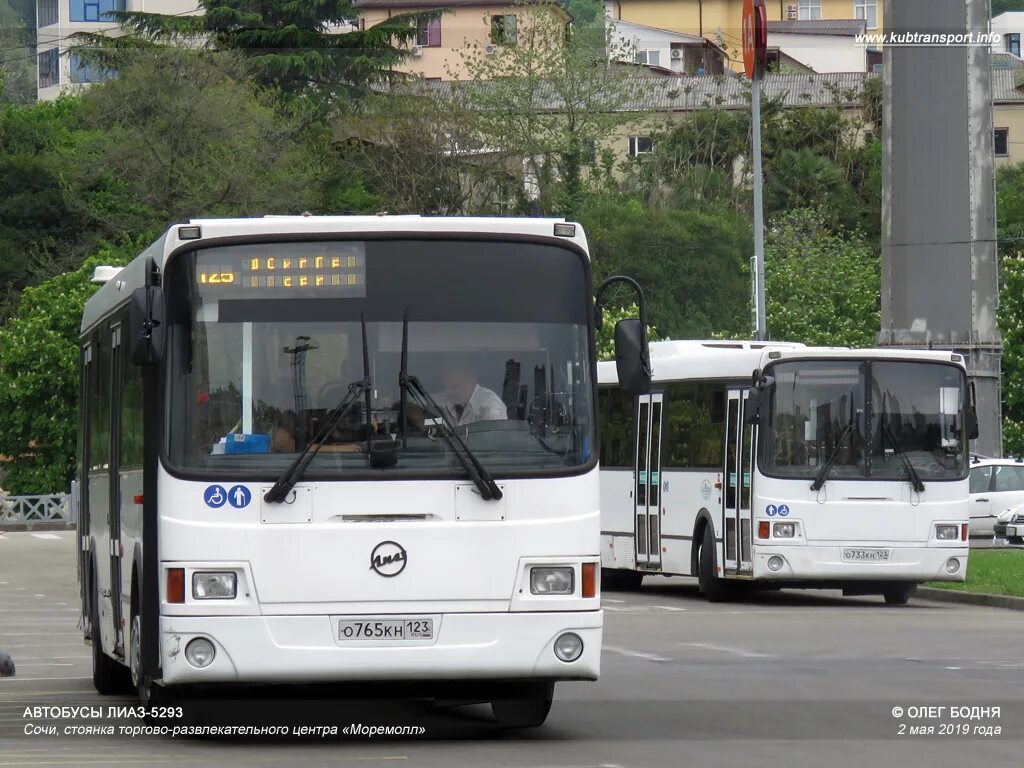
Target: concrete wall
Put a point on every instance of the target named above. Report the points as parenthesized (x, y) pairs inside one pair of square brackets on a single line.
[(822, 53)]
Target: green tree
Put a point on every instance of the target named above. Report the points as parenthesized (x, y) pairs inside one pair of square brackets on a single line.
[(40, 217), (691, 264), (547, 98), (17, 63), (822, 287), (177, 135), (1010, 208), (1011, 325), (39, 368)]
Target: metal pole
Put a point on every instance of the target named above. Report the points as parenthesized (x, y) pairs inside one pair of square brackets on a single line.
[(762, 322)]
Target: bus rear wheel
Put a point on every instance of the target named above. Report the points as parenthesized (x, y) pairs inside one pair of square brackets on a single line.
[(525, 706), (898, 594), (715, 589)]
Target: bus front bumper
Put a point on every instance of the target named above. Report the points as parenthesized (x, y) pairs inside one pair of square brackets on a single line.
[(466, 646), (852, 562)]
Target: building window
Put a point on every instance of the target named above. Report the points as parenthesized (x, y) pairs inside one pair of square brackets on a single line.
[(651, 58), (1002, 142), (640, 145), (428, 33), (867, 10), (49, 68), (503, 29), (95, 10), (47, 13), (84, 72), (810, 10), (1013, 43)]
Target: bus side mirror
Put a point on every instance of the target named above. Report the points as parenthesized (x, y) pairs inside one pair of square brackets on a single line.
[(146, 326), (632, 358), (752, 410), (971, 422)]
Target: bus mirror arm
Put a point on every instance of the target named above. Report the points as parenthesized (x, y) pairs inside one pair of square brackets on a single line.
[(146, 326)]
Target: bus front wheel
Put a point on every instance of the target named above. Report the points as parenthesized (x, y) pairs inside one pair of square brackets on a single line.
[(716, 589), (525, 707), (108, 676), (898, 594)]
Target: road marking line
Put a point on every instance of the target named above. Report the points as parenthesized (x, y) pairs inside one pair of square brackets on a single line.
[(728, 649), (8, 680), (44, 535), (635, 654), (611, 600)]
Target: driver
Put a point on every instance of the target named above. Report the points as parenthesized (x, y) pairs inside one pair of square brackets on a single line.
[(466, 401)]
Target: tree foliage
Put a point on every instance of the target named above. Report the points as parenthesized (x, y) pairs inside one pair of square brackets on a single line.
[(822, 287), (179, 135), (691, 264), (17, 62), (548, 100), (39, 370)]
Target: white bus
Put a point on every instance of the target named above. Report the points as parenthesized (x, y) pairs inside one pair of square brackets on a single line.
[(344, 448), (840, 468)]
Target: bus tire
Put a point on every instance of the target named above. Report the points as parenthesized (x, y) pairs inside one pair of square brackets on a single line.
[(109, 677), (899, 594), (621, 579), (715, 589), (528, 707), (150, 694)]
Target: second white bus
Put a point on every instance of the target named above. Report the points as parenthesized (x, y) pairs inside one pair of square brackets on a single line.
[(840, 468)]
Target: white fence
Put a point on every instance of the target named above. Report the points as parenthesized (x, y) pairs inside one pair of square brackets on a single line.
[(52, 508)]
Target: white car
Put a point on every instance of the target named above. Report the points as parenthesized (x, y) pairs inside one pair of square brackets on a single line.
[(996, 485), (1009, 527)]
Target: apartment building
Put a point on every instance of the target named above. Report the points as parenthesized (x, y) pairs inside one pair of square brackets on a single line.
[(720, 21), (61, 69), (481, 26)]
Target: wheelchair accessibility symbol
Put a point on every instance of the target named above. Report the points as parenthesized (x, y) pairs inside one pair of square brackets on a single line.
[(783, 510), (215, 496)]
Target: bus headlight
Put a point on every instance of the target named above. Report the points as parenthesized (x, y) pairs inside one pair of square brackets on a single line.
[(784, 530), (214, 585), (200, 652), (568, 646), (552, 581), (947, 532)]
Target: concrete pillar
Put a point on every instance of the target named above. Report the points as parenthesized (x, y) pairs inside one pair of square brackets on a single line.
[(939, 269)]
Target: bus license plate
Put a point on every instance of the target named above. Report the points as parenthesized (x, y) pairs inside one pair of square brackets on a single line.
[(385, 629), (866, 555)]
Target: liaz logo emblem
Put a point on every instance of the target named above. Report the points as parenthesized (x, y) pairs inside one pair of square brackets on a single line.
[(388, 558)]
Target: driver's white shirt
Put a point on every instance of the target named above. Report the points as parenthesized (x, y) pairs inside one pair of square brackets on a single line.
[(484, 405)]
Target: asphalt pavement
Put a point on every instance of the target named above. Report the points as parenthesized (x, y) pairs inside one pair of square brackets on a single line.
[(778, 679)]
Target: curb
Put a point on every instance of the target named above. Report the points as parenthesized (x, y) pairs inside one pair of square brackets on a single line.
[(970, 598), (21, 527)]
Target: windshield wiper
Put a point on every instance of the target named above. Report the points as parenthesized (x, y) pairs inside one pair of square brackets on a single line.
[(410, 385), (915, 479), (291, 476), (819, 480)]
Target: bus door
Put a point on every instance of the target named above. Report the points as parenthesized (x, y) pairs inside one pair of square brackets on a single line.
[(647, 476), (114, 507), (737, 520)]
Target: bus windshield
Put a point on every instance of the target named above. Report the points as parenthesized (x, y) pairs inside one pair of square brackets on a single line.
[(866, 413), (266, 339)]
